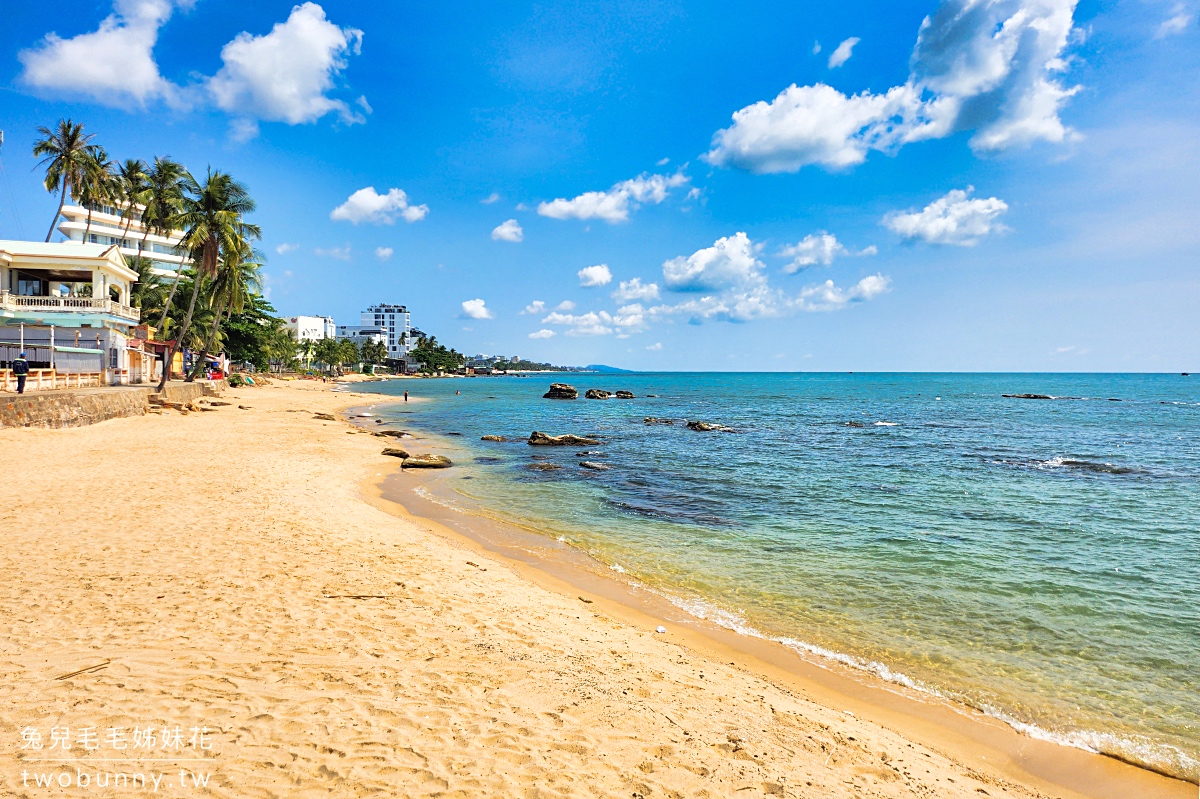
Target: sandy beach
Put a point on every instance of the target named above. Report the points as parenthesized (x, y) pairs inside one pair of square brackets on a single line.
[(238, 574)]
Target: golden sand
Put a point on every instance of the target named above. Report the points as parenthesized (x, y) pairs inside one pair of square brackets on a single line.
[(235, 572)]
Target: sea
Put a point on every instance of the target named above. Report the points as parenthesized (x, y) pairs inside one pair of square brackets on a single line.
[(1036, 559)]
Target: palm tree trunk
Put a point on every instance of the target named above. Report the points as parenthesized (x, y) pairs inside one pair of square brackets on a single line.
[(88, 227), (170, 295), (62, 198), (187, 322), (208, 342)]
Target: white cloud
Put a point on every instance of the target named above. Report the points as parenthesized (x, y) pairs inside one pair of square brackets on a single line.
[(1176, 23), (285, 248), (953, 219), (475, 309), (817, 248), (543, 333), (598, 275), (340, 253), (537, 306), (732, 286), (991, 66), (627, 319), (662, 162), (365, 205), (614, 205), (630, 290), (842, 54), (655, 347), (285, 75), (384, 253), (491, 198), (565, 305), (816, 48), (508, 231), (113, 64)]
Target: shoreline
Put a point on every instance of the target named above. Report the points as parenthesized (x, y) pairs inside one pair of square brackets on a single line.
[(253, 579), (559, 566)]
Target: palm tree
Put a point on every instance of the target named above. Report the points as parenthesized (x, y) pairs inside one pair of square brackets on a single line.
[(134, 185), (149, 293), (98, 184), (163, 200), (238, 279), (65, 153), (212, 218)]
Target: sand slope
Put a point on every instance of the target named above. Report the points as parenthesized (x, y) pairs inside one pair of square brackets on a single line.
[(222, 562)]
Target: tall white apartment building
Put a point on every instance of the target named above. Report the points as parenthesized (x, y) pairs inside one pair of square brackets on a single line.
[(312, 328), (395, 321), (109, 227)]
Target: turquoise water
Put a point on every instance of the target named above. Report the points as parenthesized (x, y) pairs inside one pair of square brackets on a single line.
[(1035, 559)]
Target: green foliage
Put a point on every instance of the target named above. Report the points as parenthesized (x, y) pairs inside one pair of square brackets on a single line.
[(68, 155), (527, 366), (255, 334), (149, 292), (434, 357), (374, 352)]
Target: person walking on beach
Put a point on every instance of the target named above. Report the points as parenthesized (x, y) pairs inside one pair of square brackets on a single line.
[(20, 368), (406, 395)]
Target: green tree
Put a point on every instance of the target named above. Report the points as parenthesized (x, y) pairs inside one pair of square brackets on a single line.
[(374, 352), (213, 219), (328, 353), (237, 279), (97, 184), (149, 293), (163, 197), (66, 153), (133, 187), (348, 352), (256, 335)]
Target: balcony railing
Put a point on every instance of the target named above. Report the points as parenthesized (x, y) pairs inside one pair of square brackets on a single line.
[(93, 305)]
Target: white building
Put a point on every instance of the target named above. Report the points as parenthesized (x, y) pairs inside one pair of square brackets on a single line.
[(362, 334), (109, 227), (312, 328), (395, 323)]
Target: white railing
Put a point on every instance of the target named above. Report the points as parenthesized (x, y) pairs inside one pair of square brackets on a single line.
[(16, 302)]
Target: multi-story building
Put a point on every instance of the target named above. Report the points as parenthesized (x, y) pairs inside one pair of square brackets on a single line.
[(68, 307), (109, 227), (395, 322), (362, 334), (312, 328)]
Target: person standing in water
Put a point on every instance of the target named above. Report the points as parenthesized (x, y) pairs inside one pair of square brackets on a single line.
[(406, 395)]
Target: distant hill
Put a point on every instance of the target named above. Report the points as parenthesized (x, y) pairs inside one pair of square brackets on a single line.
[(599, 367)]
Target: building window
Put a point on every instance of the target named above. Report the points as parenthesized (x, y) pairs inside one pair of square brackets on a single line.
[(112, 357)]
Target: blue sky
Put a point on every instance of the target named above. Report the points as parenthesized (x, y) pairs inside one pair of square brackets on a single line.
[(964, 185)]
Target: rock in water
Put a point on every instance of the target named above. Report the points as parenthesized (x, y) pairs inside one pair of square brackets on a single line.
[(396, 452), (624, 395), (705, 427), (596, 393), (1027, 396), (598, 467), (391, 433), (492, 438), (656, 420), (561, 391), (543, 467), (567, 440), (427, 462)]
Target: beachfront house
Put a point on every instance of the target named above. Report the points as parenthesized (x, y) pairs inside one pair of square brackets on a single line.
[(67, 305), (312, 328)]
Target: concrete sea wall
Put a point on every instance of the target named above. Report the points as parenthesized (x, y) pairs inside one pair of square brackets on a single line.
[(84, 407)]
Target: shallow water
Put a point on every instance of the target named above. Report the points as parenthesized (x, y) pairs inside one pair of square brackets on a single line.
[(1036, 559)]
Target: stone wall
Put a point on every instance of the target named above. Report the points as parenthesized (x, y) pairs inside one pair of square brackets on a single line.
[(79, 408)]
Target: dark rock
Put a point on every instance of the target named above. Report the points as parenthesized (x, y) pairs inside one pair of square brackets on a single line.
[(596, 467), (561, 391), (492, 438), (590, 452), (655, 420), (396, 452), (327, 417), (566, 440), (454, 434), (543, 467), (597, 393), (705, 427), (855, 423), (391, 434), (427, 462), (624, 395), (1027, 396)]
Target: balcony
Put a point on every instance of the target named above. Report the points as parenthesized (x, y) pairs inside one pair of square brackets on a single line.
[(82, 305)]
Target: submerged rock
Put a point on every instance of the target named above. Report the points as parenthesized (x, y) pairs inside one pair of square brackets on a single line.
[(392, 434), (597, 467), (492, 438), (427, 462), (1027, 396), (543, 467), (396, 452), (624, 395), (561, 391), (596, 393), (656, 420), (705, 427), (854, 423), (565, 440)]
